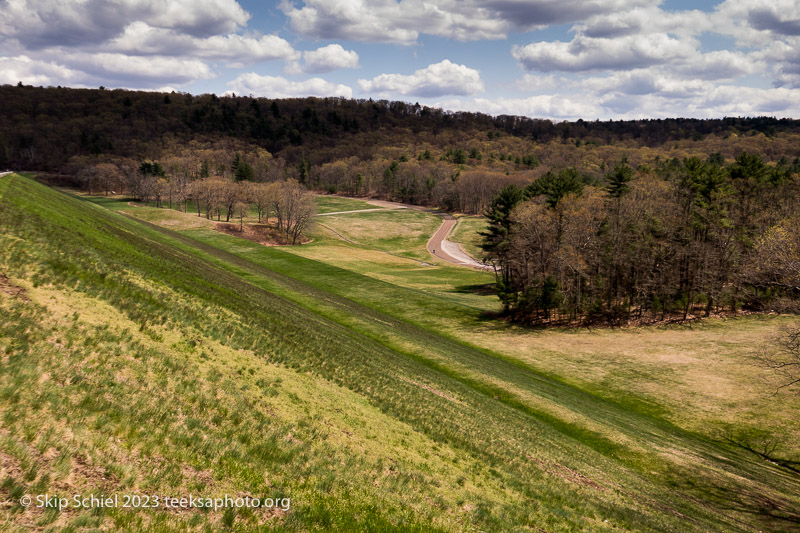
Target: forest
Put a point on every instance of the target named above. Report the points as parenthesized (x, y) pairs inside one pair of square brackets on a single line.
[(590, 221), (689, 238)]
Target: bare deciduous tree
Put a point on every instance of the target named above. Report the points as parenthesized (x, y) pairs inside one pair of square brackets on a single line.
[(775, 261), (240, 210), (295, 209), (104, 176), (263, 195), (784, 357)]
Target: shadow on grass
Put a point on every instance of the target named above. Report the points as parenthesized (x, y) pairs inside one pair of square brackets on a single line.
[(108, 201), (774, 514), (483, 289)]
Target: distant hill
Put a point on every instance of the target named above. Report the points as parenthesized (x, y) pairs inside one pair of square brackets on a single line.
[(43, 128)]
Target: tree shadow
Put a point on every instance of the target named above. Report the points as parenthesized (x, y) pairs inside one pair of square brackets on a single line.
[(483, 289), (772, 513)]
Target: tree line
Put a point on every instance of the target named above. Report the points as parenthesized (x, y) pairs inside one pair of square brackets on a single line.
[(687, 238)]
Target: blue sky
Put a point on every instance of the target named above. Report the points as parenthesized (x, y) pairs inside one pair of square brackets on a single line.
[(558, 59)]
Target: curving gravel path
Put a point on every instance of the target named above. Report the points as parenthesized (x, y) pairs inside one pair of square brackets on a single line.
[(449, 251)]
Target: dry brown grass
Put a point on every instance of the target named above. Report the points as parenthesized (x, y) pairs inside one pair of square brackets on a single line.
[(704, 375)]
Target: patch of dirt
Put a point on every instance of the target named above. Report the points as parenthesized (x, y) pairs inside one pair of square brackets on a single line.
[(9, 467), (204, 477), (435, 391), (86, 474), (567, 473), (260, 233), (6, 287)]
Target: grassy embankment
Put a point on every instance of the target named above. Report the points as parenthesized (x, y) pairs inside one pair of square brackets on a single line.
[(244, 368)]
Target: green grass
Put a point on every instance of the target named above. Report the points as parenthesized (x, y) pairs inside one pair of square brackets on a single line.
[(701, 377), (403, 232), (466, 234), (661, 373), (332, 204), (739, 401), (391, 419)]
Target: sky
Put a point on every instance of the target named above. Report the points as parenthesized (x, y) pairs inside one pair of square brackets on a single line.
[(556, 59)]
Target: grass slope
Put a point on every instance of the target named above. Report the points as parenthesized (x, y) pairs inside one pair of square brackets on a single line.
[(177, 368), (701, 377)]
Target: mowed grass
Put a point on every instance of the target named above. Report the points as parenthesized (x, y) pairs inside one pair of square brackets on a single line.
[(467, 234), (162, 407), (455, 283), (398, 304), (402, 232), (567, 458), (450, 283), (332, 204)]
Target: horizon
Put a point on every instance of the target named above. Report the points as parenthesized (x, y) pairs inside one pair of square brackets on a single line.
[(407, 102)]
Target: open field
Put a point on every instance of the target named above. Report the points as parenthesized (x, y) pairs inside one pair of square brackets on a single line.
[(402, 232), (332, 204), (370, 389)]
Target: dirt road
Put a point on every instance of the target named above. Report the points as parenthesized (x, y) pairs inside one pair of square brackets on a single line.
[(439, 246)]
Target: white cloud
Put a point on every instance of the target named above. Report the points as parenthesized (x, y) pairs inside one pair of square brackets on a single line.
[(537, 82), (652, 81), (45, 23), (553, 106), (278, 87), (33, 72), (645, 20), (771, 28), (160, 69), (402, 21), (715, 102), (644, 51), (595, 99), (758, 22), (589, 53), (720, 65), (386, 21), (324, 59), (434, 80), (201, 18), (785, 56), (137, 71), (136, 43), (103, 69), (139, 38)]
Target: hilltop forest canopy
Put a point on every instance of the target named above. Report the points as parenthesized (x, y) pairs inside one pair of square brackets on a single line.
[(600, 220), (43, 128)]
